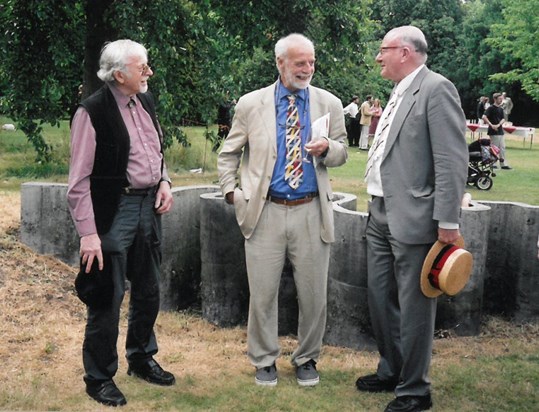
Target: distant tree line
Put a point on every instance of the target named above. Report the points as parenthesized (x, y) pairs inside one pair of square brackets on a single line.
[(199, 49)]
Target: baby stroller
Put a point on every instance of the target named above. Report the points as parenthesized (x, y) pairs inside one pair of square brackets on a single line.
[(482, 156)]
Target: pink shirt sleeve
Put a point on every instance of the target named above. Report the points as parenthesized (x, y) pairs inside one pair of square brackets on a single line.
[(83, 146)]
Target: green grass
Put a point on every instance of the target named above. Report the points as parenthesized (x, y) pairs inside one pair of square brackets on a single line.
[(17, 165), (518, 185)]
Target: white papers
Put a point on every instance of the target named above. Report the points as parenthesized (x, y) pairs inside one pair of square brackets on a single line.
[(319, 130), (320, 127)]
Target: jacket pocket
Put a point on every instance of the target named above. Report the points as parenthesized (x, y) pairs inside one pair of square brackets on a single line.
[(422, 191)]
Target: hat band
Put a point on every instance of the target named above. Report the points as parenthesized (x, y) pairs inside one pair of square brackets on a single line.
[(438, 264)]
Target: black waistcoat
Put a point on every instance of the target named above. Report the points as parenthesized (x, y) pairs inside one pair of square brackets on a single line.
[(112, 153)]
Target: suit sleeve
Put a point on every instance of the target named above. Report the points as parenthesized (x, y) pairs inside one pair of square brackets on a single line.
[(228, 161), (447, 129), (337, 153)]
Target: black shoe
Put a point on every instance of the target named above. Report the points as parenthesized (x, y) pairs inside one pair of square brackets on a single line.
[(410, 404), (151, 371), (106, 393), (506, 167), (494, 166), (372, 383)]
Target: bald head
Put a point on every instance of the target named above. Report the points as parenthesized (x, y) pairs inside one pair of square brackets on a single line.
[(413, 37), (403, 50)]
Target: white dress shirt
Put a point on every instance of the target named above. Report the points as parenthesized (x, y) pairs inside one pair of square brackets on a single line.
[(352, 109)]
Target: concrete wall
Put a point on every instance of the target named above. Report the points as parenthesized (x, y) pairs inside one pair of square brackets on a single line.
[(512, 268), (204, 261), (180, 269), (47, 227), (46, 224)]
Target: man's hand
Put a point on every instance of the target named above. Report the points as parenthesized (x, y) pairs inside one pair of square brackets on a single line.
[(90, 249), (317, 147), (163, 198), (229, 198), (448, 235)]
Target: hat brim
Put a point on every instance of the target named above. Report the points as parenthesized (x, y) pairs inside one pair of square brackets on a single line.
[(95, 288), (462, 260)]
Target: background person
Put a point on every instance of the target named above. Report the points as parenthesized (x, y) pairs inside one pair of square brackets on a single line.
[(117, 190), (376, 113), (481, 109), (353, 129), (284, 214), (495, 118), (224, 120), (416, 174), (365, 122), (507, 106)]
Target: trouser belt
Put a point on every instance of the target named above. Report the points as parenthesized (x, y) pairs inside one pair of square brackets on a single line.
[(294, 202), (129, 191)]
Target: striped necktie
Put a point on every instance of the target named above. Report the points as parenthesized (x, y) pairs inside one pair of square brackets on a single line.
[(294, 169), (381, 135)]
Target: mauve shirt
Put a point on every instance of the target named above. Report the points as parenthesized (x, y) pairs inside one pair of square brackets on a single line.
[(143, 166)]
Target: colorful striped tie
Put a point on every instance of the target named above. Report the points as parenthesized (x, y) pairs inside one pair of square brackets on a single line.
[(293, 174), (380, 136)]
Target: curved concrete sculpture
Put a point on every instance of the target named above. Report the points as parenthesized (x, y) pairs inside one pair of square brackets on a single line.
[(512, 267), (47, 228), (204, 262), (462, 313), (180, 267)]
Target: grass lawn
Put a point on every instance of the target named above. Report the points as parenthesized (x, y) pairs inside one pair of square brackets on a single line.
[(17, 165)]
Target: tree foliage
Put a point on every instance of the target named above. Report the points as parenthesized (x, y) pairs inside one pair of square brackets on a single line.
[(200, 49), (41, 62), (517, 37)]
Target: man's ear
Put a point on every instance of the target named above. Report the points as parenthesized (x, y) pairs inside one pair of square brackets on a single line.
[(119, 76)]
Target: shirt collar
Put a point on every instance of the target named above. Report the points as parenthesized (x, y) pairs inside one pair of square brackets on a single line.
[(283, 92), (403, 85), (121, 99)]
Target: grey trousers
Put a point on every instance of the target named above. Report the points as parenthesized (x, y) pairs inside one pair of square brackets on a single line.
[(292, 231), (498, 140), (134, 244), (402, 317)]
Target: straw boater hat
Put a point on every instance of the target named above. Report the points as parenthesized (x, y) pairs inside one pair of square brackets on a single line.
[(446, 269)]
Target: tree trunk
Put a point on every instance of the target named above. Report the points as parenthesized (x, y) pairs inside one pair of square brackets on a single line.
[(98, 31)]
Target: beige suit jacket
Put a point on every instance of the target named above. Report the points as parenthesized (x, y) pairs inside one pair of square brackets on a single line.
[(251, 149)]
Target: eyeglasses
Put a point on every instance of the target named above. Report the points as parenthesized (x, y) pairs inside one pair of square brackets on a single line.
[(383, 50), (144, 69)]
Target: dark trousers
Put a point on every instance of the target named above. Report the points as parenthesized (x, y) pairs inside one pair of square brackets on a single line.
[(402, 317), (353, 131), (134, 244)]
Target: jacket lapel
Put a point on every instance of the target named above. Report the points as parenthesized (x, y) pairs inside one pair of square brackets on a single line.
[(267, 114), (408, 101)]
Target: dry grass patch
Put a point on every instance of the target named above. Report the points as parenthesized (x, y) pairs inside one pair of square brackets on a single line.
[(43, 324)]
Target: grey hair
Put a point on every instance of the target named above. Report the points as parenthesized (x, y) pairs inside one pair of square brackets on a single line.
[(282, 46), (414, 37), (115, 55)]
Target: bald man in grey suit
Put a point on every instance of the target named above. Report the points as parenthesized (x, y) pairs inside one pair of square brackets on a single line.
[(416, 175)]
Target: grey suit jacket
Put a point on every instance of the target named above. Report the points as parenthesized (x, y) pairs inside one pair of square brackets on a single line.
[(425, 162), (252, 143)]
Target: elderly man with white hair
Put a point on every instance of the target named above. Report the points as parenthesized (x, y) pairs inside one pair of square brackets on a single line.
[(118, 189), (283, 202)]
